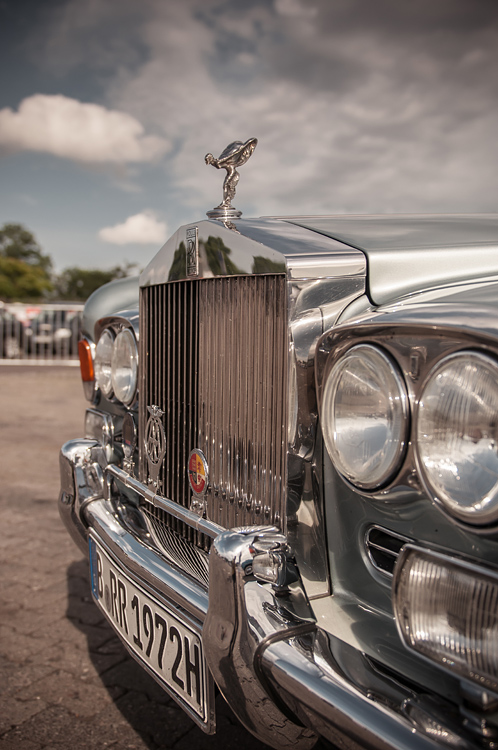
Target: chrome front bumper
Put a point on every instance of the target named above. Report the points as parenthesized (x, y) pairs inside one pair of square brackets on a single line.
[(286, 679)]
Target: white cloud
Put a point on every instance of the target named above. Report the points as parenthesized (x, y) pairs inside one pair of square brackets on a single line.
[(141, 229), (348, 117), (294, 9), (356, 108), (76, 130)]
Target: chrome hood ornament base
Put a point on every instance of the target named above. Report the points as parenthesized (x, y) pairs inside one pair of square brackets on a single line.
[(235, 155)]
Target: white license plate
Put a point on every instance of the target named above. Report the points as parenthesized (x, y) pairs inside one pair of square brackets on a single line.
[(168, 646)]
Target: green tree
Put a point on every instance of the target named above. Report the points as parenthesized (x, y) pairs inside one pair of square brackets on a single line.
[(18, 280), (78, 283), (24, 268), (18, 242)]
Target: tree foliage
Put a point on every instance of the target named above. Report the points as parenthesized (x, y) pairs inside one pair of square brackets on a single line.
[(17, 242), (78, 283), (26, 271), (19, 280), (24, 268)]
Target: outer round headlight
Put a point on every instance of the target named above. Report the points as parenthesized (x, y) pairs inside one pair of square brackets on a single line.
[(124, 366), (103, 354), (364, 416), (457, 436)]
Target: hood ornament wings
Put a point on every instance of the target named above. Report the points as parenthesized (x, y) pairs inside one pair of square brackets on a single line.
[(234, 156)]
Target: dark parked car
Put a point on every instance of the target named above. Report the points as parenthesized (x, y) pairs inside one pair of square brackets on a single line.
[(12, 336), (288, 483), (54, 331)]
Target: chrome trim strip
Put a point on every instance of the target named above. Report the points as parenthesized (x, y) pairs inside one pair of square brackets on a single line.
[(177, 511)]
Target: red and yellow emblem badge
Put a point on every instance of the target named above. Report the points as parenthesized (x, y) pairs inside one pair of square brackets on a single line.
[(198, 472)]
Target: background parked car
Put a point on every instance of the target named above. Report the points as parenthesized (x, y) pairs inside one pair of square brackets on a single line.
[(12, 336), (55, 331)]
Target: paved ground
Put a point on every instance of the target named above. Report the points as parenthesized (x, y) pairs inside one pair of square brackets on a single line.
[(65, 680)]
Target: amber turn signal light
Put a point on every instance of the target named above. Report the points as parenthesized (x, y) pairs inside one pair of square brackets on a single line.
[(85, 352), (86, 361)]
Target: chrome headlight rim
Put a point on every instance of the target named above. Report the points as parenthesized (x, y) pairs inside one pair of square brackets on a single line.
[(125, 394), (103, 378), (386, 478), (488, 521)]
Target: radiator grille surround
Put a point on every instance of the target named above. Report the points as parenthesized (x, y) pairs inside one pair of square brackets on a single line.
[(213, 358)]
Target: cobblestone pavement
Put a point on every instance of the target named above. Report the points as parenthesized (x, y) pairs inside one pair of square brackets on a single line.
[(65, 680)]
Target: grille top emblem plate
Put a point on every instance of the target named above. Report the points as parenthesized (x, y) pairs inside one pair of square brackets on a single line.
[(155, 442), (198, 474), (192, 252)]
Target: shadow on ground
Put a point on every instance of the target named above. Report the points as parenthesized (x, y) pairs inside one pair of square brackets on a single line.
[(145, 707)]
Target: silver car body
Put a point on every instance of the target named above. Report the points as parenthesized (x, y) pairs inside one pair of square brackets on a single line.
[(315, 651)]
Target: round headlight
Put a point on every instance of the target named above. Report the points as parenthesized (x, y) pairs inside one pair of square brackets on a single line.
[(457, 436), (103, 355), (124, 366), (364, 416)]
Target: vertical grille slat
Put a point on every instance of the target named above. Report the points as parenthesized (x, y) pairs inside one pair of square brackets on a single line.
[(214, 359)]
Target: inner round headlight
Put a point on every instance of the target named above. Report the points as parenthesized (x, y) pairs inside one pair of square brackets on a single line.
[(103, 355), (457, 436), (364, 416), (124, 366)]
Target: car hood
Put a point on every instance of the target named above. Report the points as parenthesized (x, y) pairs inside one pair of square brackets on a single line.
[(407, 253)]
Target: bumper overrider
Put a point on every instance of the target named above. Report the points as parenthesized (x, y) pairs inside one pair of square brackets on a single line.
[(286, 679)]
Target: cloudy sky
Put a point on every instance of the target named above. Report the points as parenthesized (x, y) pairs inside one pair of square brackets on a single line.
[(108, 107)]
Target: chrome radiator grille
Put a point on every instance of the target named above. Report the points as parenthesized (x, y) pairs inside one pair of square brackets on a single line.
[(213, 356)]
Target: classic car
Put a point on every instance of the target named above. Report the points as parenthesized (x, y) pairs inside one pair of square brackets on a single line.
[(288, 485), (12, 335), (55, 331)]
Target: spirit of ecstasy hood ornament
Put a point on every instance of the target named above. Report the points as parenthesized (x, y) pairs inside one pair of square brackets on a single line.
[(235, 155)]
